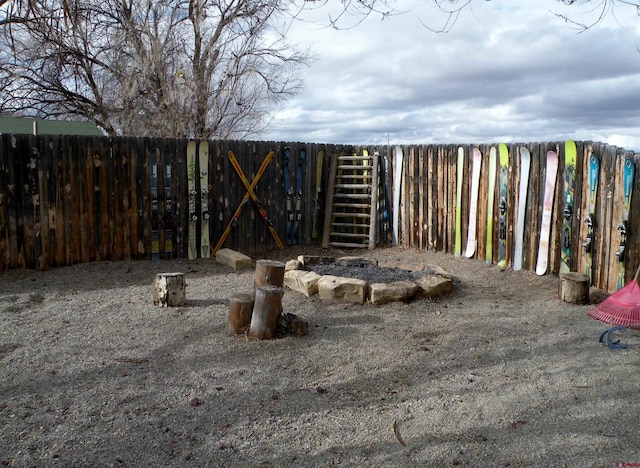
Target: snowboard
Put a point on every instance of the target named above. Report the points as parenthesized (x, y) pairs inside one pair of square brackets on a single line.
[(302, 152), (460, 172), (203, 160), (155, 241), (472, 241), (286, 155), (594, 172), (627, 184), (191, 187), (503, 177), (570, 155), (317, 202), (168, 209), (490, 201), (397, 186), (525, 165), (547, 211)]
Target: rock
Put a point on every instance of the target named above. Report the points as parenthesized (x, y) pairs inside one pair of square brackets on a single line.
[(305, 282), (436, 270), (315, 259), (292, 265), (434, 285), (235, 260), (336, 288), (381, 293), (356, 261)]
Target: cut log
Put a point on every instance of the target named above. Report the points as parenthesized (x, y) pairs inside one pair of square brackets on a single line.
[(240, 309), (267, 307), (268, 273), (169, 290), (574, 288)]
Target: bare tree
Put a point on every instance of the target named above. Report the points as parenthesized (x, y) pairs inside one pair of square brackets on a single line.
[(345, 14), (198, 68)]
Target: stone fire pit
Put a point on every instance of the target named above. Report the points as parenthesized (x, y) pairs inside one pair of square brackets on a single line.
[(358, 279)]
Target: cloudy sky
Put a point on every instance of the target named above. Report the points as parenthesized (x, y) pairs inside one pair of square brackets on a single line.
[(507, 71)]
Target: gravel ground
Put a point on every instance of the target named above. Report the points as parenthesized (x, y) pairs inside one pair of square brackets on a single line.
[(497, 373)]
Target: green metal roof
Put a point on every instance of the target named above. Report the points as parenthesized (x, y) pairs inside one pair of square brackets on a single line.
[(19, 125)]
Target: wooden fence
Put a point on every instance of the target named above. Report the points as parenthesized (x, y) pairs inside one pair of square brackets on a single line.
[(67, 199), (428, 205)]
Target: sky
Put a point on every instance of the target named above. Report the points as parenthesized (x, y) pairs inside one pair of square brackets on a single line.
[(508, 71)]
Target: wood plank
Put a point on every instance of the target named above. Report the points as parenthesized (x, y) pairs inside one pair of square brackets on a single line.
[(328, 215), (633, 246), (609, 220), (438, 194)]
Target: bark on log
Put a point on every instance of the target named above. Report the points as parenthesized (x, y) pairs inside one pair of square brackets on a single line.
[(268, 273), (267, 307), (169, 290), (573, 288), (240, 309)]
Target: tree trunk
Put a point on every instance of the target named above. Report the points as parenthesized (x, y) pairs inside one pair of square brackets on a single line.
[(268, 273), (240, 309), (169, 290), (574, 288), (267, 307)]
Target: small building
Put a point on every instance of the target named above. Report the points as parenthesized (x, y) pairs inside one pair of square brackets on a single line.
[(31, 126)]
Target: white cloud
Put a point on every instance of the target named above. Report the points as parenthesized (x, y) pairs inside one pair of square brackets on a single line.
[(507, 71)]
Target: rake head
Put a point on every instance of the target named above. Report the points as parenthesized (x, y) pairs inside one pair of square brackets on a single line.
[(621, 308)]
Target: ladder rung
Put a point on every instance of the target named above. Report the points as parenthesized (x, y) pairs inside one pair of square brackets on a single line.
[(355, 158), (352, 205), (353, 167), (351, 215), (354, 186), (348, 245), (354, 176), (350, 225), (350, 234), (354, 196)]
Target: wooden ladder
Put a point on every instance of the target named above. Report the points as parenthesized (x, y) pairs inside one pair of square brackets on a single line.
[(352, 198)]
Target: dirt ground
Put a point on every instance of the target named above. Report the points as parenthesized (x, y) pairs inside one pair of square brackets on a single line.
[(497, 373)]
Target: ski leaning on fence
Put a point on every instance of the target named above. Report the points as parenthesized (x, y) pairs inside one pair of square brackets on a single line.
[(594, 172), (155, 239), (317, 201), (203, 160), (168, 209), (525, 165), (191, 186), (491, 196), (460, 172), (503, 177), (302, 152), (570, 156), (547, 210), (472, 241), (397, 185), (627, 184), (286, 156)]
